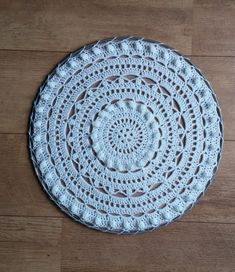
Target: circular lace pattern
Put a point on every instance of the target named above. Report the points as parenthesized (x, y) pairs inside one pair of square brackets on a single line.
[(125, 135)]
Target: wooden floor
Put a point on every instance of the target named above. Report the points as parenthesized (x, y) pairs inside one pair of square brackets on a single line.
[(34, 234)]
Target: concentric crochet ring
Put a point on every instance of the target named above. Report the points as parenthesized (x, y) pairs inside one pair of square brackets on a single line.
[(125, 135)]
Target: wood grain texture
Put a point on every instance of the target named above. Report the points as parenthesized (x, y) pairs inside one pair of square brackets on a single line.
[(35, 236), (30, 244), (179, 247), (21, 194), (214, 28), (59, 26)]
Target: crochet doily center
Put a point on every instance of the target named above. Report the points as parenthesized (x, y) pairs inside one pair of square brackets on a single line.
[(124, 136)]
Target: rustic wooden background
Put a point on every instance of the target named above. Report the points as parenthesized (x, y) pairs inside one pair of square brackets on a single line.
[(34, 234)]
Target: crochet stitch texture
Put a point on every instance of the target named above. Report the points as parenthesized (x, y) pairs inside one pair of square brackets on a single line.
[(125, 135)]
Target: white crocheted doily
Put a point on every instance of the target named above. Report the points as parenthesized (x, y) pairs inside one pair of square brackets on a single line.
[(125, 135)]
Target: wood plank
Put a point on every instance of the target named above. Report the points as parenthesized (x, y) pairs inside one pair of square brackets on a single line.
[(65, 26), (21, 194), (214, 28), (23, 72), (179, 247), (29, 244)]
